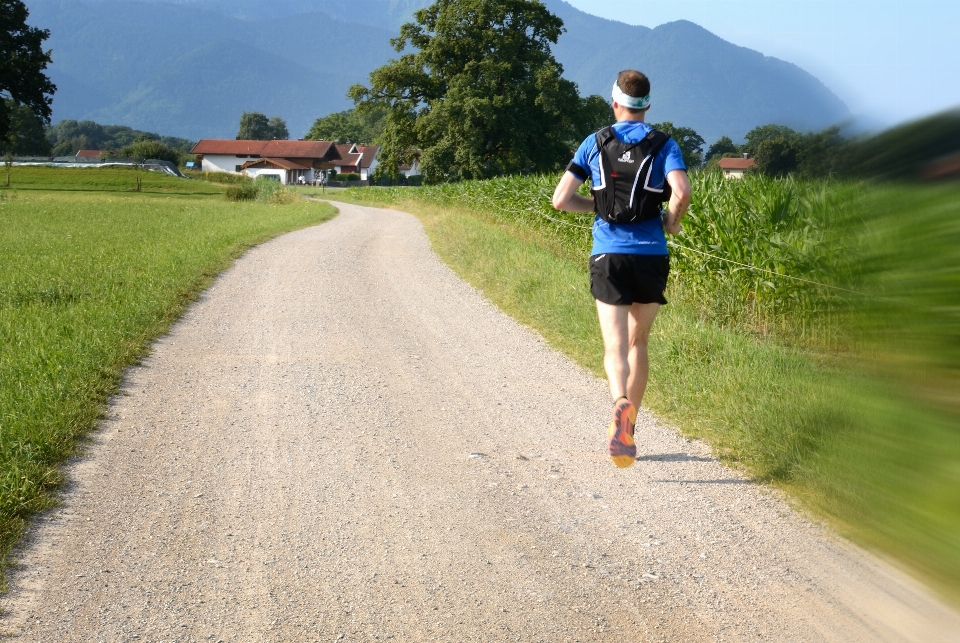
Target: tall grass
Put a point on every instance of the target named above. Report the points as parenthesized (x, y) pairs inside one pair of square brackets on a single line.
[(849, 400), (87, 280)]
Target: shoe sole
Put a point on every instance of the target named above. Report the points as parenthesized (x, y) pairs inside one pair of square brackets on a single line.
[(622, 448)]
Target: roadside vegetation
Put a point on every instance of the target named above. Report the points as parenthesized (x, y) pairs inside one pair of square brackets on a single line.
[(90, 273), (829, 367)]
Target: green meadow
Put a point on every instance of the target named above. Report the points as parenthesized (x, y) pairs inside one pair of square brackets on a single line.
[(91, 272), (812, 337)]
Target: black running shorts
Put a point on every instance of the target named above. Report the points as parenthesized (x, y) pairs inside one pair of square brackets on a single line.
[(621, 280)]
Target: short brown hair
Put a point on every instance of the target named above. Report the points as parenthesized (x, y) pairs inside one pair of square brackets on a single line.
[(633, 83)]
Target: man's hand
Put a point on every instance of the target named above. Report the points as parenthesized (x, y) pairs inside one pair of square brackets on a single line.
[(565, 197), (679, 201)]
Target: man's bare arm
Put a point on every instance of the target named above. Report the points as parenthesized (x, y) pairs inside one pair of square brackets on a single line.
[(679, 200), (565, 197)]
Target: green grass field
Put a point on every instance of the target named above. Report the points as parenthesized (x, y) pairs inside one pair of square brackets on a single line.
[(90, 273), (104, 179), (849, 402)]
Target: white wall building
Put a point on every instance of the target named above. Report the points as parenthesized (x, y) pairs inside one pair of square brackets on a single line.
[(287, 160)]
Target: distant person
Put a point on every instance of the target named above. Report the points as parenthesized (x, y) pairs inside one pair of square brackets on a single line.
[(629, 262)]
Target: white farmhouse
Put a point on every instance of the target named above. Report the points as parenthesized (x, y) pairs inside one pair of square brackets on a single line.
[(289, 161), (735, 168)]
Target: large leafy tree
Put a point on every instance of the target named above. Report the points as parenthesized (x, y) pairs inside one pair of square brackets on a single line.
[(27, 134), (22, 61), (756, 136), (255, 126), (148, 148), (350, 126), (691, 144), (478, 94), (723, 145)]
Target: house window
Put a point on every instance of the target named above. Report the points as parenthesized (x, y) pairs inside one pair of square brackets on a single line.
[(238, 168)]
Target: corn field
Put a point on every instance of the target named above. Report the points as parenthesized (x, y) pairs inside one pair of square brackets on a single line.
[(770, 255)]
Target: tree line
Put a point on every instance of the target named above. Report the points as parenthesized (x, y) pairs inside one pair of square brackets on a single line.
[(475, 93)]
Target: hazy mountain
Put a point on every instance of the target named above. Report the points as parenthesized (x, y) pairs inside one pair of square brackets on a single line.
[(189, 67), (699, 80), (179, 69)]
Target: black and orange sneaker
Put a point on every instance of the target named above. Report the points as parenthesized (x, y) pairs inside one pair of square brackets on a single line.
[(623, 450)]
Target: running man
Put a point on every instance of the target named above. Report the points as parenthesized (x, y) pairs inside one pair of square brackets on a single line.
[(633, 170)]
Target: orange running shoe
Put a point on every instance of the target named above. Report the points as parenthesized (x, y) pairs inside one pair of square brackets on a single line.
[(623, 450)]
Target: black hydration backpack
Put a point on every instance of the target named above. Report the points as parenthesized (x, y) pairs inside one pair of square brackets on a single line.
[(625, 194)]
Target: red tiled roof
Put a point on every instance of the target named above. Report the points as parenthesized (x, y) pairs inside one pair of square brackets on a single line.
[(271, 149), (346, 158), (297, 149), (89, 154), (286, 164), (736, 164), (228, 146), (369, 153), (364, 155)]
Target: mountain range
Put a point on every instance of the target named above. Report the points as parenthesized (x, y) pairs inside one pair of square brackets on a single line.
[(190, 67)]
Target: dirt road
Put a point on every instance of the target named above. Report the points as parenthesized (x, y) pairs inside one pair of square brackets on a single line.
[(344, 442)]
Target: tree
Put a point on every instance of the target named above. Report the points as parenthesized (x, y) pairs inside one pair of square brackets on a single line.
[(724, 145), (479, 94), (255, 126), (68, 136), (147, 148), (691, 144), (22, 61), (350, 126), (27, 134), (596, 113), (776, 156), (278, 128), (758, 135), (823, 153)]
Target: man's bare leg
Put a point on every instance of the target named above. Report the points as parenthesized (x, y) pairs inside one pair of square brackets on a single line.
[(615, 329), (626, 333), (625, 330), (641, 321)]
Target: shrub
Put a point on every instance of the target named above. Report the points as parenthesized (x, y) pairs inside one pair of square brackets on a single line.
[(218, 177), (271, 191), (247, 191)]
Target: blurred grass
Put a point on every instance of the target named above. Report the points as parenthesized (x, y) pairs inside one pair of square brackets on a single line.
[(87, 280), (850, 402)]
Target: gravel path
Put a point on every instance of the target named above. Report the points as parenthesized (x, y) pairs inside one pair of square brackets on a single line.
[(342, 441)]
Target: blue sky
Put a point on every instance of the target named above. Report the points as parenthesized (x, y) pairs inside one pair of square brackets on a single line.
[(889, 61)]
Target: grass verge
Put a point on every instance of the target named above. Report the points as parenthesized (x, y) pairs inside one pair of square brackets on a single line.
[(845, 433), (87, 280)]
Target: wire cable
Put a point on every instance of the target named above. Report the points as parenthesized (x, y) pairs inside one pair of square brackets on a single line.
[(755, 268)]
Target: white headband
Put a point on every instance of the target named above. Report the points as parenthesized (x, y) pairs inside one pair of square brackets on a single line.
[(630, 101)]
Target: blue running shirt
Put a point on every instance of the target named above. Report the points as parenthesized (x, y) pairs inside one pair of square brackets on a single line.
[(642, 238)]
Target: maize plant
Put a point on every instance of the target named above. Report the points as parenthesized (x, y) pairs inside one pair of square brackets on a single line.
[(771, 255)]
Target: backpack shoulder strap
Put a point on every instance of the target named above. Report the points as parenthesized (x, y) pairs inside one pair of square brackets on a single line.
[(655, 139), (604, 136)]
